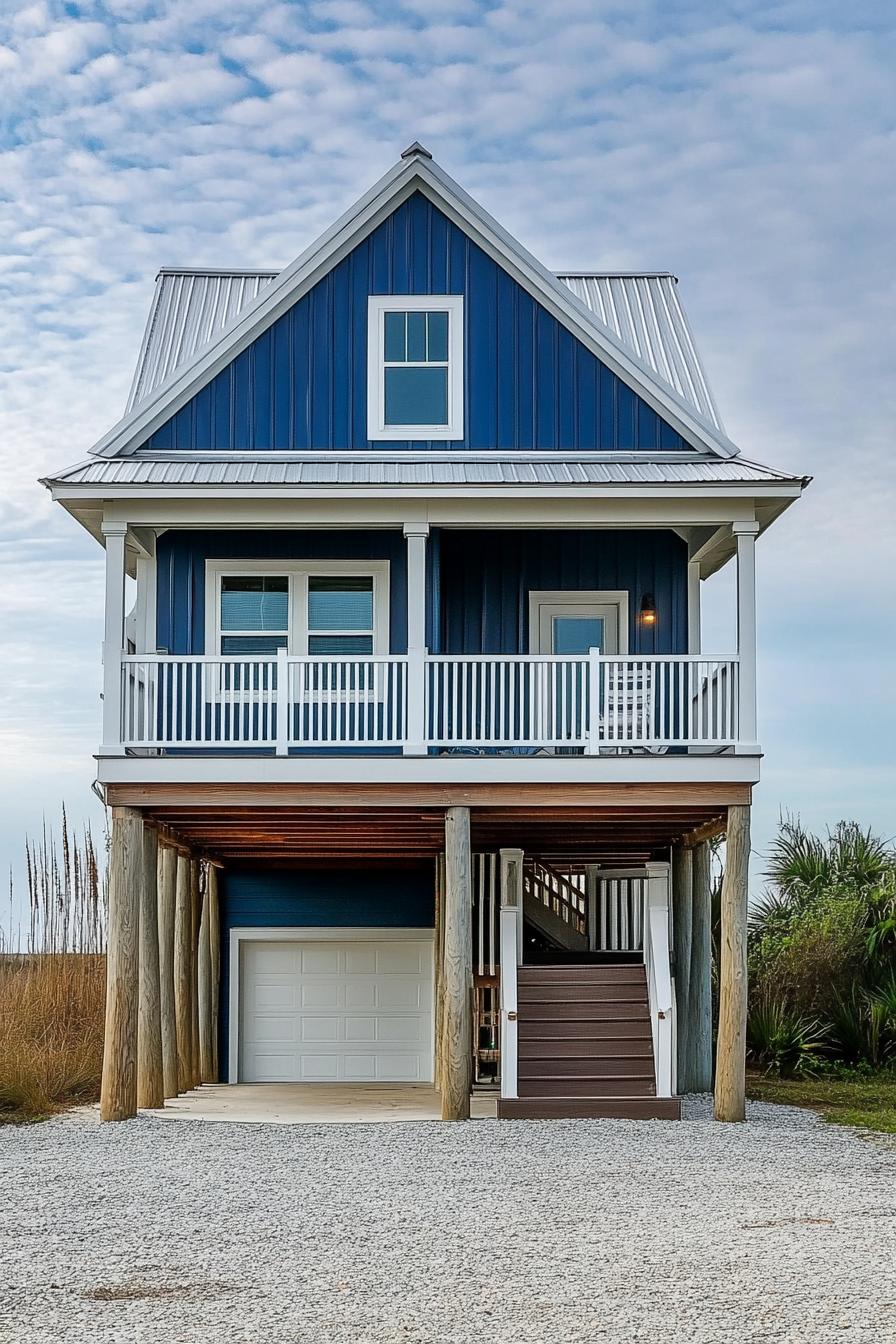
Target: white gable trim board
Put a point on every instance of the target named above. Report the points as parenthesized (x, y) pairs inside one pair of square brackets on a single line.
[(339, 1005), (414, 174)]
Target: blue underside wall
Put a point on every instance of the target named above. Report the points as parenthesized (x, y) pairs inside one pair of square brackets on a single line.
[(528, 384), (180, 574), (317, 898), (484, 580)]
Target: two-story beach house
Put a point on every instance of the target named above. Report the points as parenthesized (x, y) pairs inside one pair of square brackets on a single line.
[(412, 747)]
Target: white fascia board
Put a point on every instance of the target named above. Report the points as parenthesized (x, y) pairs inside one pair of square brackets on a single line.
[(447, 770), (399, 183)]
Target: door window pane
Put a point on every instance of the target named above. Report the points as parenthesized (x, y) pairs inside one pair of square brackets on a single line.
[(578, 634)]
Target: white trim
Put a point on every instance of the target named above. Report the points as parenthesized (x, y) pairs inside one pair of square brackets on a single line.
[(573, 597), (316, 933), (377, 306), (407, 176), (298, 573)]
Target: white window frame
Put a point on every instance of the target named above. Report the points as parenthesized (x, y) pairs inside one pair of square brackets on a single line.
[(297, 572), (377, 307), (572, 597)]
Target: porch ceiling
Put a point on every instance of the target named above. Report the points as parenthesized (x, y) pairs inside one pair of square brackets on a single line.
[(338, 836)]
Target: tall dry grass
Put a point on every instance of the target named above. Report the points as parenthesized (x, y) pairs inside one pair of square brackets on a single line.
[(52, 980)]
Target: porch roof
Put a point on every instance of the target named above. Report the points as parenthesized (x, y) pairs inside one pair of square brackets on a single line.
[(266, 470)]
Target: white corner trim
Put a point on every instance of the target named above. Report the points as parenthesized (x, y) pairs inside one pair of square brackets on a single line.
[(377, 307), (299, 933)]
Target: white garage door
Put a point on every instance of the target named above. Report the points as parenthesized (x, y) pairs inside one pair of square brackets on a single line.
[(348, 1011)]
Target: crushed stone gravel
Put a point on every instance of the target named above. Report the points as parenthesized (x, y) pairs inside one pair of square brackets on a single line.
[(783, 1229)]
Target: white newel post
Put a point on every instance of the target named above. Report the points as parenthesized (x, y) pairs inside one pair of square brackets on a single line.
[(415, 735), (659, 979), (511, 946), (745, 535), (694, 631), (113, 637), (593, 738)]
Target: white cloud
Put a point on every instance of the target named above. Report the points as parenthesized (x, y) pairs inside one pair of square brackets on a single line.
[(747, 149)]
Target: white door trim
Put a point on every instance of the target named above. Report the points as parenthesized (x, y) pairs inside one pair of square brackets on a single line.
[(303, 934), (578, 597)]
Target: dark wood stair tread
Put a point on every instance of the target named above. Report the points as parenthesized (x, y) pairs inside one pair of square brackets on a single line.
[(589, 1108)]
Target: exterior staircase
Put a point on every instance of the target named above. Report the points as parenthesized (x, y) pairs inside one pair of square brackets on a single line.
[(585, 1045), (554, 907)]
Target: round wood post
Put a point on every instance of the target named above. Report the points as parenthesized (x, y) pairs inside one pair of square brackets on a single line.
[(167, 883), (440, 957), (204, 990), (182, 1008), (700, 1049), (682, 920), (730, 1098), (118, 1093), (195, 910), (457, 1043), (150, 1086), (214, 942)]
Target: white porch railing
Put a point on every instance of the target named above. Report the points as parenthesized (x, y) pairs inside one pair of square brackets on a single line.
[(413, 703)]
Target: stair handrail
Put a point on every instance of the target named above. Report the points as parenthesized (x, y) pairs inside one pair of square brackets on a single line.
[(658, 965), (555, 891)]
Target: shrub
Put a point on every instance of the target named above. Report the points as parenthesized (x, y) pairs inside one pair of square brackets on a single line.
[(784, 1041)]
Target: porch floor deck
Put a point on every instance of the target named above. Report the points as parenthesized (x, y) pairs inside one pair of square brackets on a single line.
[(316, 1103)]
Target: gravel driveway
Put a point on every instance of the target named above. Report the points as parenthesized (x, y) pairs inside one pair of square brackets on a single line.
[(608, 1230)]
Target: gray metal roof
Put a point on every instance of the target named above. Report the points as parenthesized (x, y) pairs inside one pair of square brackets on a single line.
[(646, 314), (329, 469), (191, 307)]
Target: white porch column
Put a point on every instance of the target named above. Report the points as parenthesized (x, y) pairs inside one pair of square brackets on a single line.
[(745, 536), (416, 535), (694, 632), (113, 637)]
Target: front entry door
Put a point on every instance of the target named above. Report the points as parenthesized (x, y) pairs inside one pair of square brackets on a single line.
[(574, 622)]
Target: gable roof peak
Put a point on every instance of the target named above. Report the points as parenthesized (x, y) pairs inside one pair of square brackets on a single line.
[(415, 150)]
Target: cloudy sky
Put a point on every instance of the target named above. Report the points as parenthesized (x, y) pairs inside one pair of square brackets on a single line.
[(748, 147)]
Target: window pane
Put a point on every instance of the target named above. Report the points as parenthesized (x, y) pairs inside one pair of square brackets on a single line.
[(340, 604), (250, 602), (416, 336), (393, 334), (245, 646), (416, 396), (578, 634), (340, 646), (438, 336)]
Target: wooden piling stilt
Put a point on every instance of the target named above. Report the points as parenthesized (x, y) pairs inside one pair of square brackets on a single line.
[(195, 911), (214, 940), (700, 1046), (167, 887), (730, 1091), (204, 991), (182, 971), (150, 1084), (118, 1093), (457, 1076)]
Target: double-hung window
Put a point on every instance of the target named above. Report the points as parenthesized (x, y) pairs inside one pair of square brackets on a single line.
[(337, 609), (415, 367)]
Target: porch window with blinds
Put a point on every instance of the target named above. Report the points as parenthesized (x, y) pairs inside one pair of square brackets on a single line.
[(254, 614), (340, 616)]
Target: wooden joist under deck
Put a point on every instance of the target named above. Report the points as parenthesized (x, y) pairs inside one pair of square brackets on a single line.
[(320, 825)]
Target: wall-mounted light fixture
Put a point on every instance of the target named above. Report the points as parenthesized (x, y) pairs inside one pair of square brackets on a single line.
[(648, 610)]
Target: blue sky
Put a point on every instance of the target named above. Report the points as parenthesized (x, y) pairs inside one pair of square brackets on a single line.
[(749, 148)]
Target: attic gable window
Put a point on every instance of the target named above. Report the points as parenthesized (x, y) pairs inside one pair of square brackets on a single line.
[(415, 367)]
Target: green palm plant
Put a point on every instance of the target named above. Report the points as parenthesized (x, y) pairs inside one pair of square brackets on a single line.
[(784, 1040)]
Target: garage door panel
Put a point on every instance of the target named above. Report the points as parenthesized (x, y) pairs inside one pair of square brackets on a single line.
[(352, 1011)]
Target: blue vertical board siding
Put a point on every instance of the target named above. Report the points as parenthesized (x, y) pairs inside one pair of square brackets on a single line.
[(529, 383), (181, 557), (485, 579), (316, 898)]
